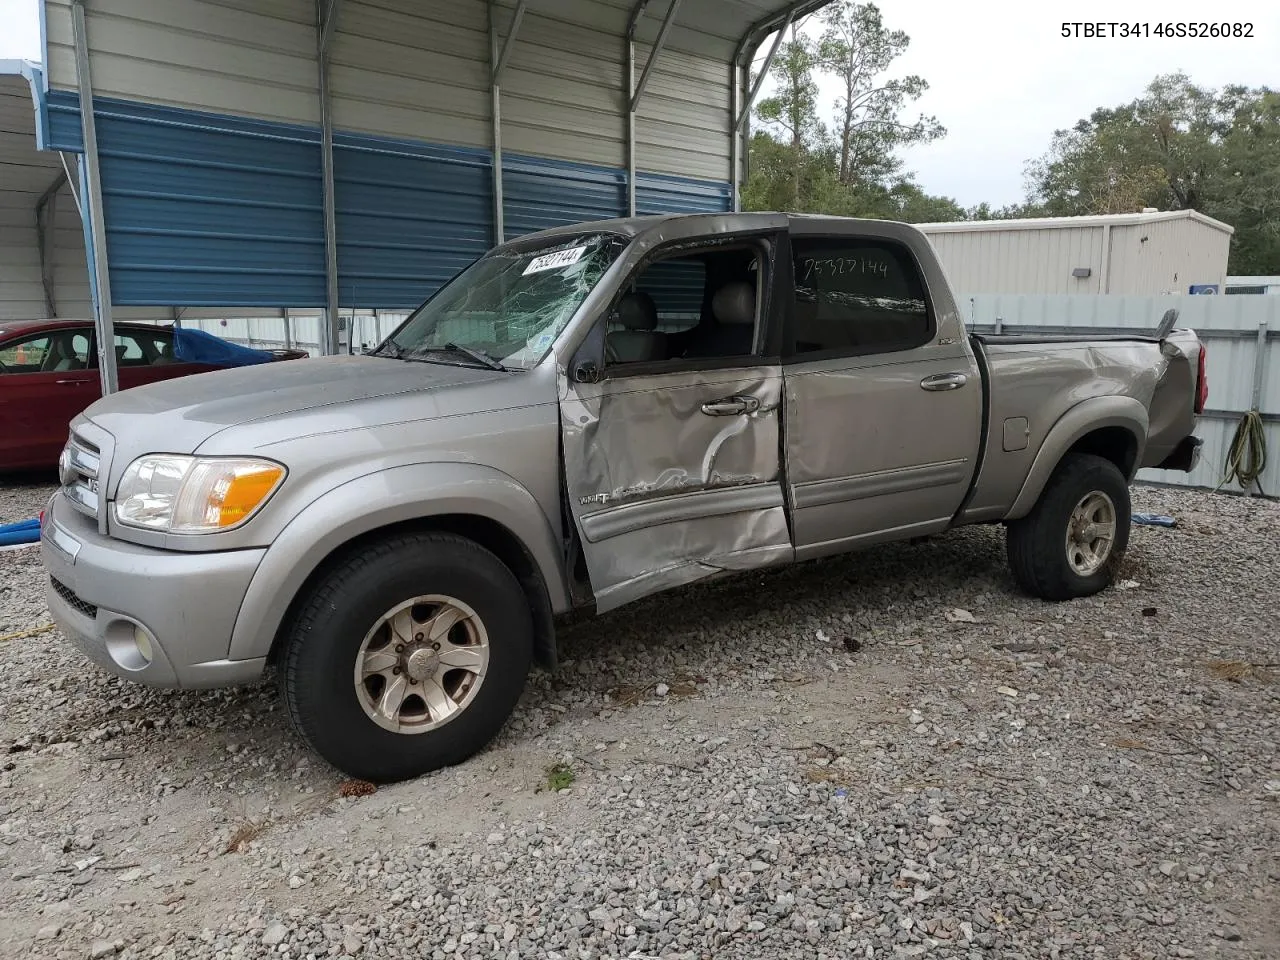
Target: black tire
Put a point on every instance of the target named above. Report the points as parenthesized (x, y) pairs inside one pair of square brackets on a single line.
[(1037, 547), (317, 669)]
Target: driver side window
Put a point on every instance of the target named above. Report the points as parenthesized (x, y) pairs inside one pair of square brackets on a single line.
[(46, 353), (701, 306)]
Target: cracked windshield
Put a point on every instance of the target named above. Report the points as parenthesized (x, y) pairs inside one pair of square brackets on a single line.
[(506, 309)]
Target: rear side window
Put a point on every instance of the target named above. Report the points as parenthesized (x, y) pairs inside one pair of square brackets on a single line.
[(857, 296)]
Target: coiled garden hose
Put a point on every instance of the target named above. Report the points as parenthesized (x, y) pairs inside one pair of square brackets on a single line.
[(1247, 454)]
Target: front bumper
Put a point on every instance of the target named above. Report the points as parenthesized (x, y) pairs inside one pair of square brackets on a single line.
[(101, 590)]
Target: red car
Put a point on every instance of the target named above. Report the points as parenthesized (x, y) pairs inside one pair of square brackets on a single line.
[(49, 373)]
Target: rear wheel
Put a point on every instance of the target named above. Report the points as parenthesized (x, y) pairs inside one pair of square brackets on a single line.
[(1072, 541), (408, 656)]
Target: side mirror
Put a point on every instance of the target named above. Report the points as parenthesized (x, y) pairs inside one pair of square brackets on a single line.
[(586, 371)]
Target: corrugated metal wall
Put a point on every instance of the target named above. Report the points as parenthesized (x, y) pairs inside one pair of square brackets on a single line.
[(1227, 325), (1021, 261), (248, 58), (1167, 256), (418, 69), (218, 202), (1175, 254)]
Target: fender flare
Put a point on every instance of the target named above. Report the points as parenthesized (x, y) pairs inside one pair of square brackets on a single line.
[(1080, 420), (380, 499)]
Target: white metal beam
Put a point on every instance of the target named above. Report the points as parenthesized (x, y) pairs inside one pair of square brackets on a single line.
[(656, 49), (106, 333)]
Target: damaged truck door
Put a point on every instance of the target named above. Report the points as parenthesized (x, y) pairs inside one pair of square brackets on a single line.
[(671, 419)]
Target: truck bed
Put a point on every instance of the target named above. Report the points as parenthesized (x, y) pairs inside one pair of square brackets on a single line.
[(1031, 382)]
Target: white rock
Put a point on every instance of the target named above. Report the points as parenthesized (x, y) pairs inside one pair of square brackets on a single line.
[(274, 934)]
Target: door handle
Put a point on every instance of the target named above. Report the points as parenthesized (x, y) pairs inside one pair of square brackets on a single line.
[(730, 406), (944, 381), (69, 383)]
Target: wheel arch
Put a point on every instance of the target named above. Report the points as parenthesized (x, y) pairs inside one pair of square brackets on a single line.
[(1114, 428), (479, 503)]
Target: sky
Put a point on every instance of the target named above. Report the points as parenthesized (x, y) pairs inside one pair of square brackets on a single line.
[(1002, 77)]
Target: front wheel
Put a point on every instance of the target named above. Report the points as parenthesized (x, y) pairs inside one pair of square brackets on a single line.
[(407, 656), (1072, 541)]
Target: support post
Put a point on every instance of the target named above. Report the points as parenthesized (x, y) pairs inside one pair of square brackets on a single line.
[(1104, 274), (629, 55), (741, 118), (735, 136), (498, 54), (46, 240), (326, 11), (656, 49), (96, 223), (1259, 367)]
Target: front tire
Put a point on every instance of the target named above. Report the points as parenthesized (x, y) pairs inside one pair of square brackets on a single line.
[(1073, 540), (407, 656)]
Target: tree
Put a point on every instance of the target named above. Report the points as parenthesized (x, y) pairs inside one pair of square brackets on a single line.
[(794, 108), (857, 49), (797, 164), (1176, 147)]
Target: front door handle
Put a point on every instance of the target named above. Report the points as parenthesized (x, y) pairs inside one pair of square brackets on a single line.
[(944, 381), (730, 406), (69, 383)]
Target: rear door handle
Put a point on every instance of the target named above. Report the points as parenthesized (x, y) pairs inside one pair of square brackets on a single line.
[(730, 406), (70, 383), (944, 381)]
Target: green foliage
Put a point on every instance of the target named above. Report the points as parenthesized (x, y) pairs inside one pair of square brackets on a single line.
[(560, 776), (1176, 147), (799, 164)]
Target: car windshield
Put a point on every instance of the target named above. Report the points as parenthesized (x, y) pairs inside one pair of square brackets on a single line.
[(508, 307)]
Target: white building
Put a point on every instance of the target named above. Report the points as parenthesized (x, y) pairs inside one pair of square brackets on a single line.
[(1147, 253)]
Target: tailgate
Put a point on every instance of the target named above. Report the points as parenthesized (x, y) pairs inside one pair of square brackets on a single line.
[(1173, 405)]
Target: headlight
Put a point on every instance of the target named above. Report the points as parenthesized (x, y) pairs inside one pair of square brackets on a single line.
[(180, 494)]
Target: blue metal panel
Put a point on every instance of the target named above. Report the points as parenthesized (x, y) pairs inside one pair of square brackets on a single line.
[(409, 217), (205, 210), (539, 193), (658, 193), (210, 210)]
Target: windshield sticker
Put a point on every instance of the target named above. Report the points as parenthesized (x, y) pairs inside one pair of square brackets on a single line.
[(540, 343), (554, 261)]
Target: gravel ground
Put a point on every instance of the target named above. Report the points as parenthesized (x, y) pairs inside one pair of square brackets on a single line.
[(887, 755)]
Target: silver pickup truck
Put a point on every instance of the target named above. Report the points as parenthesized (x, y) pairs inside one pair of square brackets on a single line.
[(583, 417)]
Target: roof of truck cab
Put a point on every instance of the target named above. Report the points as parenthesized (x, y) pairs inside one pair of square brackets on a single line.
[(634, 226)]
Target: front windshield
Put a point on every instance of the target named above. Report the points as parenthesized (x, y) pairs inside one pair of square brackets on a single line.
[(507, 307)]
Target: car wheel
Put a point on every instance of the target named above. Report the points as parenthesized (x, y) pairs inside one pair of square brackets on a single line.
[(1072, 542), (407, 656)]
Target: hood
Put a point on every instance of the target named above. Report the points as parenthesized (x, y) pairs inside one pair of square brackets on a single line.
[(187, 411)]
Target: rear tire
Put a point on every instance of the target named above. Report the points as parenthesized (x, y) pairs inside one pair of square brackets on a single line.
[(407, 656), (1073, 540)]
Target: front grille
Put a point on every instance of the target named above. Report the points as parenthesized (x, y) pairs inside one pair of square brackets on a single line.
[(82, 463), (69, 595)]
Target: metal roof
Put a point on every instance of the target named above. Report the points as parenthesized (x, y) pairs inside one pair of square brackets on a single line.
[(23, 168), (1052, 223)]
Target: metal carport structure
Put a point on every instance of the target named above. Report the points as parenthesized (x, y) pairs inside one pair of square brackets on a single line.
[(42, 260), (356, 153)]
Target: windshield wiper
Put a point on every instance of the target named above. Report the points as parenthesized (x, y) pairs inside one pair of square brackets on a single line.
[(479, 356), (388, 349)]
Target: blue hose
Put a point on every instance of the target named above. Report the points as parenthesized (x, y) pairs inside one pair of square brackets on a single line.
[(24, 531)]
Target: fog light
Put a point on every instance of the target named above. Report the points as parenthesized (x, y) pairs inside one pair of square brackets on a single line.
[(143, 642)]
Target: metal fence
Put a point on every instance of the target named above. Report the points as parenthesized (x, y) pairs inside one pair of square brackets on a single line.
[(1240, 333)]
